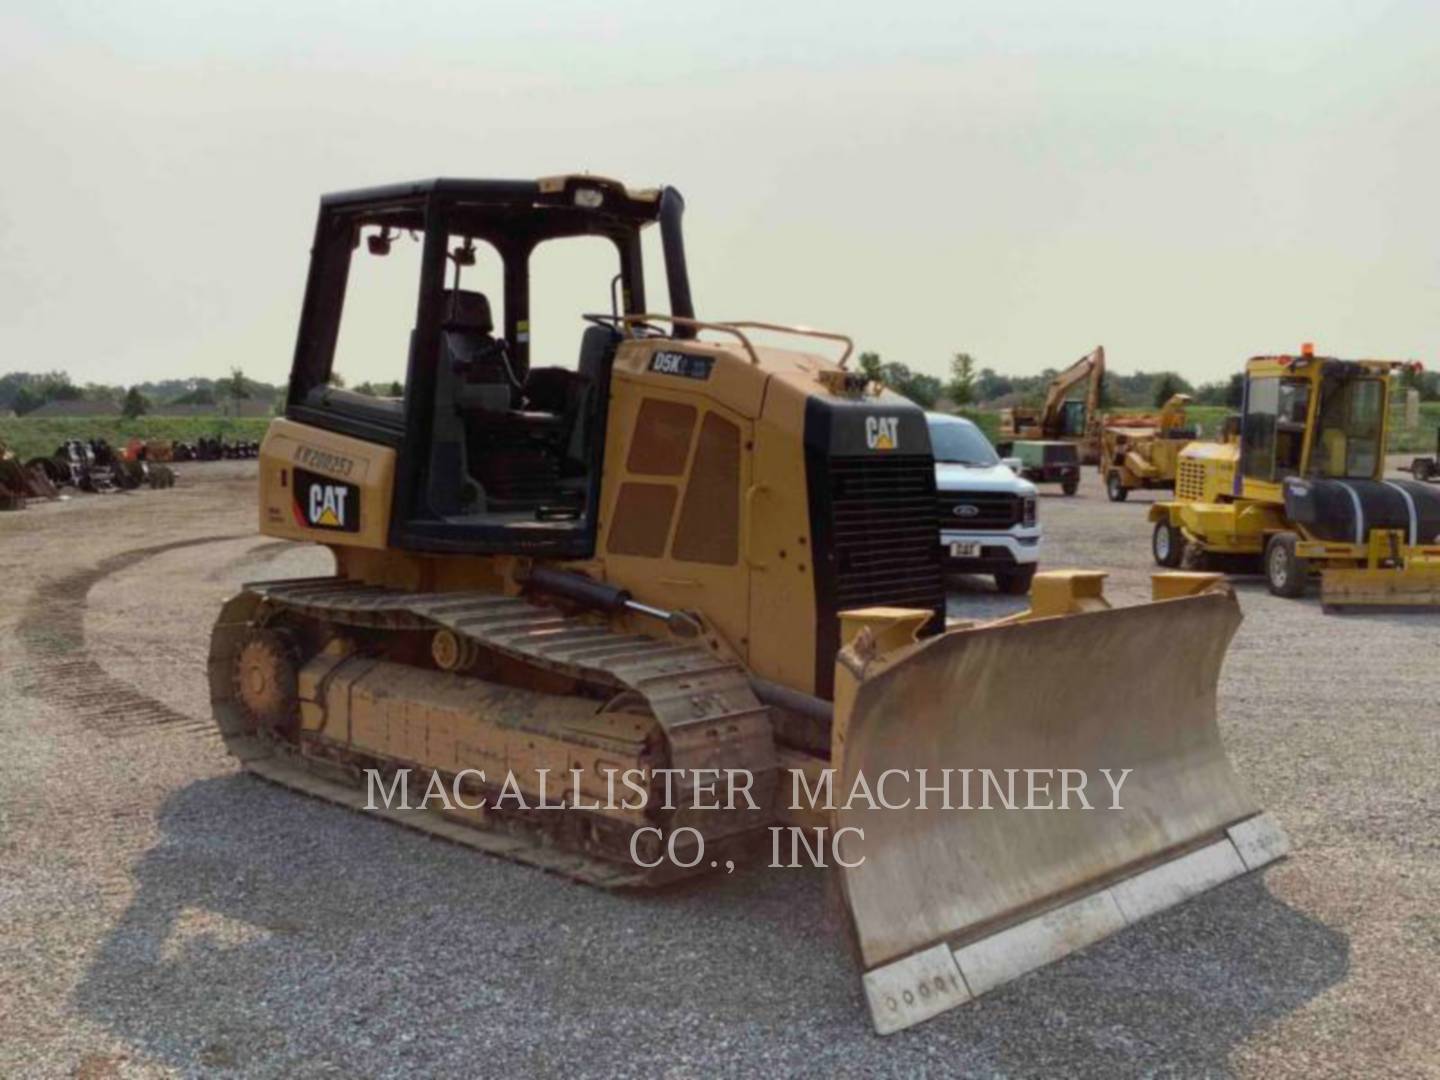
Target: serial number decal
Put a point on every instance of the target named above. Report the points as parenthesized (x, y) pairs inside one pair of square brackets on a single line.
[(685, 365), (337, 464), (323, 503)]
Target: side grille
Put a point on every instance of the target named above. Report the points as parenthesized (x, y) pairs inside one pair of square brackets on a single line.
[(1190, 480), (886, 534), (978, 509)]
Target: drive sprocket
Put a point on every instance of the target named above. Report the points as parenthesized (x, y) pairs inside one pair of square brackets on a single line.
[(266, 683)]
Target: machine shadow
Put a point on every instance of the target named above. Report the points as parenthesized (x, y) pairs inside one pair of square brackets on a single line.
[(272, 933)]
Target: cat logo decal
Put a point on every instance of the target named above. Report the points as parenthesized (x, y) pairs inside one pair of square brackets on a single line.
[(324, 503), (882, 432)]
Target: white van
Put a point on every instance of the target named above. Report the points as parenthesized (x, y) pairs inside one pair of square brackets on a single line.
[(988, 522)]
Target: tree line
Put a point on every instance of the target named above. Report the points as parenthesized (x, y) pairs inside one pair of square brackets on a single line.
[(23, 392), (970, 384)]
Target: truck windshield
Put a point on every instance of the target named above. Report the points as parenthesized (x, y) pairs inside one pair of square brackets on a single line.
[(961, 444), (1347, 437)]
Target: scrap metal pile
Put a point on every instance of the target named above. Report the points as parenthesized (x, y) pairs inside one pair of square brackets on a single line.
[(92, 466), (207, 449)]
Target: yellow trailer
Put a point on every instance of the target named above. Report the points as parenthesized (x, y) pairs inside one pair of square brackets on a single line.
[(1143, 451)]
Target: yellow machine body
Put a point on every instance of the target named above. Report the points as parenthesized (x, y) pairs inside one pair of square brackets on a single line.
[(1321, 426), (1143, 451), (1060, 417), (751, 594), (704, 503)]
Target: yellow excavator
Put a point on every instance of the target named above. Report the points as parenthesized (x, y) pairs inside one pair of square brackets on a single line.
[(679, 604), (1061, 418)]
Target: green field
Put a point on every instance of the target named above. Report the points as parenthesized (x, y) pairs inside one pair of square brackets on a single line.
[(34, 437), (30, 437)]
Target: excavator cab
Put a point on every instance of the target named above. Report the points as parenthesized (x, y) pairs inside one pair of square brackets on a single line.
[(1072, 419)]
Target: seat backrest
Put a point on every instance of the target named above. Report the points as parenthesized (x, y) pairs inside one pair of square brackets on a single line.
[(597, 352), (467, 311), (470, 377), (597, 348), (471, 354)]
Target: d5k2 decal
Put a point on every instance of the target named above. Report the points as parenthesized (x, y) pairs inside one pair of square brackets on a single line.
[(686, 365), (324, 503)]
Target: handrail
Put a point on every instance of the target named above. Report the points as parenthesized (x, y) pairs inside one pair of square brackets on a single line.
[(736, 329), (803, 331), (679, 320)]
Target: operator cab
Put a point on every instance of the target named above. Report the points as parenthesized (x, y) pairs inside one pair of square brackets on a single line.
[(493, 454), (1324, 421), (1072, 419)]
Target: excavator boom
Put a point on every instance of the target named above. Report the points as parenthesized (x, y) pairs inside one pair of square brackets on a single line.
[(1091, 366)]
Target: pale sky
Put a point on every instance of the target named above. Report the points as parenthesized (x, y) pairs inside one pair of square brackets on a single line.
[(1186, 184)]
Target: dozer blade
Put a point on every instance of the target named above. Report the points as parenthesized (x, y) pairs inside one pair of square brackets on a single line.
[(950, 903), (1388, 587)]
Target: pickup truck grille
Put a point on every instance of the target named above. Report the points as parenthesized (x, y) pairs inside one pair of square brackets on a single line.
[(978, 509)]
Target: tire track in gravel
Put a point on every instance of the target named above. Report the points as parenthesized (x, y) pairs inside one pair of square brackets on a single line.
[(61, 671)]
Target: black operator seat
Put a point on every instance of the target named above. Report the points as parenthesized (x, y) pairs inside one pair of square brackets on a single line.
[(471, 353), (471, 376), (570, 397), (597, 355)]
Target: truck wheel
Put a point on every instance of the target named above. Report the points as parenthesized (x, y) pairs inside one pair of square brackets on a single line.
[(1115, 487), (1015, 582), (1070, 486), (1286, 573), (1167, 544)]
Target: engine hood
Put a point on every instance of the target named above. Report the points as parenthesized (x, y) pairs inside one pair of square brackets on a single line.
[(980, 478)]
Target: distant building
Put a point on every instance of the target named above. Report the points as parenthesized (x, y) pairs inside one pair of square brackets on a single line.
[(53, 409), (243, 407)]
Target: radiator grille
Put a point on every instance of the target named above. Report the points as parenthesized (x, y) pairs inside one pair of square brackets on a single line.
[(978, 509), (886, 532), (1190, 480)]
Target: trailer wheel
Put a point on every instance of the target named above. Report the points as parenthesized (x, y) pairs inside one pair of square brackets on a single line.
[(1286, 572), (1167, 544), (1115, 487), (1070, 485)]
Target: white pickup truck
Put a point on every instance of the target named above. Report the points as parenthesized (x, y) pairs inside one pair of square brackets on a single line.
[(988, 521)]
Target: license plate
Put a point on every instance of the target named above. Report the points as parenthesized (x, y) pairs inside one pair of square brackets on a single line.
[(964, 551)]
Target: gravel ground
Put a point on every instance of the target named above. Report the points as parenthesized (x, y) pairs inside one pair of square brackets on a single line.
[(161, 914)]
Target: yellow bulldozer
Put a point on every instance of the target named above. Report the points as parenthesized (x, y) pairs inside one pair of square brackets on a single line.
[(1303, 489), (1143, 451), (679, 604)]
